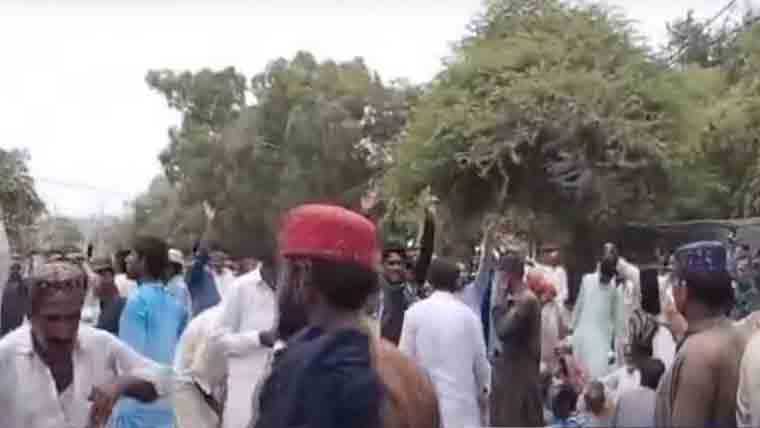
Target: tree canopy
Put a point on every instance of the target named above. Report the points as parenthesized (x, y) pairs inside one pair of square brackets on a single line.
[(315, 132), (554, 116), (18, 197)]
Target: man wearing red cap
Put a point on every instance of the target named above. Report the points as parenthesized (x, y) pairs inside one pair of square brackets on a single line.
[(332, 373)]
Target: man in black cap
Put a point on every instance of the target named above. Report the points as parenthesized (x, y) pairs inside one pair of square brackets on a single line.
[(699, 389)]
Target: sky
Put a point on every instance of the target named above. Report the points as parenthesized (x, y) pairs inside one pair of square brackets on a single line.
[(72, 89)]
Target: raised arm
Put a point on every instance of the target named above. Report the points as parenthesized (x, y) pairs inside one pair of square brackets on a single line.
[(483, 276), (482, 367), (427, 244), (513, 318), (196, 276)]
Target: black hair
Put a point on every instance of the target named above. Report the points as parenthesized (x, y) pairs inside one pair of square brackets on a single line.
[(651, 370), (155, 253), (121, 260), (650, 291), (443, 274), (564, 401), (545, 383), (344, 285), (512, 264), (712, 289), (595, 396)]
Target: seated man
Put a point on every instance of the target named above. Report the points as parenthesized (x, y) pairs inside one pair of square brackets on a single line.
[(59, 373)]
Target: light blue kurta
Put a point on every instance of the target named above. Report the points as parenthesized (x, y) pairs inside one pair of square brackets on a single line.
[(151, 323), (596, 320)]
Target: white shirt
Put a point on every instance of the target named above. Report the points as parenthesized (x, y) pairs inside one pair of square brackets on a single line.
[(224, 282), (664, 346), (199, 358), (248, 309), (29, 397), (622, 380), (748, 392), (445, 337), (124, 284)]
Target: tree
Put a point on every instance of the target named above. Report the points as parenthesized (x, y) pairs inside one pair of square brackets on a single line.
[(58, 232), (317, 132), (21, 205), (546, 105)]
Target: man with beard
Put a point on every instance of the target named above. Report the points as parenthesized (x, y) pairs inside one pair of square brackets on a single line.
[(58, 373), (596, 318), (398, 294), (332, 373), (699, 389), (515, 397)]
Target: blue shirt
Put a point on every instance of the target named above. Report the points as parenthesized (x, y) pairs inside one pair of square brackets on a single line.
[(151, 323), (178, 288)]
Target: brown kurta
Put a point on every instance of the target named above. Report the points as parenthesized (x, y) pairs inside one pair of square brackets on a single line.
[(699, 389), (515, 395)]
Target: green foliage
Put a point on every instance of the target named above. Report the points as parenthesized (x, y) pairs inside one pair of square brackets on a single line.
[(58, 233), (545, 105), (21, 205), (317, 132)]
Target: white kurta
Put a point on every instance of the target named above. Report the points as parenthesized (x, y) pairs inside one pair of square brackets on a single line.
[(664, 346), (124, 284), (249, 308), (199, 360), (225, 281), (29, 397), (445, 337)]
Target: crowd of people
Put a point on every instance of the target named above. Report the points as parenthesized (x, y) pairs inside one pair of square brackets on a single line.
[(341, 330)]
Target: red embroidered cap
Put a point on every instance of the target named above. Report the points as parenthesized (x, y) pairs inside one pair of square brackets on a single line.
[(331, 233)]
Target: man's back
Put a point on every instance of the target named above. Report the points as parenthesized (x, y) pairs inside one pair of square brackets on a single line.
[(700, 387), (635, 408), (443, 336)]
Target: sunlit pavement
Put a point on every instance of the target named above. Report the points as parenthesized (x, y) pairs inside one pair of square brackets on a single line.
[(241, 385)]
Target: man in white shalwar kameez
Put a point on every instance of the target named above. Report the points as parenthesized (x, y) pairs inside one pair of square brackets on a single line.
[(444, 337), (246, 319), (200, 364)]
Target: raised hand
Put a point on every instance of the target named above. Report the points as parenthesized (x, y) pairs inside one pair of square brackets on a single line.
[(209, 211)]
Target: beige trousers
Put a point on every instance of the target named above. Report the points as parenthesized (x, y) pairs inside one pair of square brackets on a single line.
[(191, 410)]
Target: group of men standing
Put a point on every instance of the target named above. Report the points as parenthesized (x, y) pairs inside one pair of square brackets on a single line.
[(336, 343)]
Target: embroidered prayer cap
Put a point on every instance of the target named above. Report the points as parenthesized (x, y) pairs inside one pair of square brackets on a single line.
[(59, 275), (100, 264), (701, 258), (176, 256), (330, 233)]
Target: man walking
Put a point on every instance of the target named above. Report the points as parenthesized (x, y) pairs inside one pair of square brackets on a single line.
[(151, 323), (462, 375)]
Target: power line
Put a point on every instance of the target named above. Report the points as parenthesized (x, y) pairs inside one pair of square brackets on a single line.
[(75, 185)]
